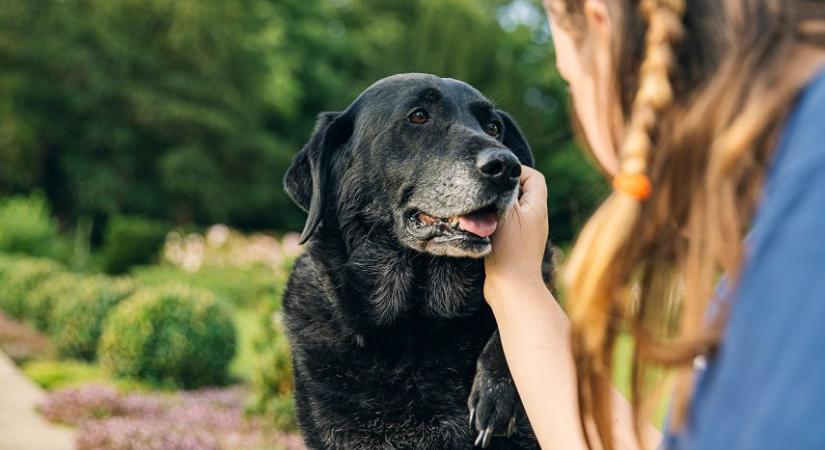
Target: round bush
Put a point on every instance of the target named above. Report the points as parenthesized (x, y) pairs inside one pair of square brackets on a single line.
[(77, 317), (20, 278), (41, 300), (171, 335)]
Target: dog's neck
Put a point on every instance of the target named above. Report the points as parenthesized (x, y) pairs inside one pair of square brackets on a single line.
[(383, 283)]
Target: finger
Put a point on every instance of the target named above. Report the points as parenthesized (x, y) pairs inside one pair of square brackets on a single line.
[(533, 187)]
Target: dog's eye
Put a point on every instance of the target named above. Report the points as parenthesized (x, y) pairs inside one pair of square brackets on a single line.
[(419, 116), (493, 129)]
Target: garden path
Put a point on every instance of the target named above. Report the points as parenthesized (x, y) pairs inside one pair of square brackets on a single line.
[(21, 427)]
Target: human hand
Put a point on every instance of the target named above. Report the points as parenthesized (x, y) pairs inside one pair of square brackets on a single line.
[(519, 242)]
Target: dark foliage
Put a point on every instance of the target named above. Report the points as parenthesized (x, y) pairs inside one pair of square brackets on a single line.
[(190, 111)]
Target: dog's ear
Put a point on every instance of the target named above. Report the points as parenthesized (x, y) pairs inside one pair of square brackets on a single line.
[(306, 179), (299, 177), (512, 137)]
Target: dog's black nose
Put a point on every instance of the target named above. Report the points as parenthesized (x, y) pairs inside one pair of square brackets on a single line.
[(498, 164)]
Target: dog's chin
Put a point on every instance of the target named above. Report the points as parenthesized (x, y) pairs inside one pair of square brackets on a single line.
[(465, 234), (453, 244), (458, 246)]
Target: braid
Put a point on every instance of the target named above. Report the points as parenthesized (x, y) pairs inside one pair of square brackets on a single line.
[(655, 92), (594, 308), (610, 226)]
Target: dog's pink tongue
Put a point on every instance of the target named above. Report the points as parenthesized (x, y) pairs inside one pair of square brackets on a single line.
[(480, 224)]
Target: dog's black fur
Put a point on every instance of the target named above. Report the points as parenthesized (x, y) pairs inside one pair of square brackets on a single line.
[(390, 334)]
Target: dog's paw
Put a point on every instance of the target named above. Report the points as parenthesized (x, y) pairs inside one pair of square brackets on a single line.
[(495, 407)]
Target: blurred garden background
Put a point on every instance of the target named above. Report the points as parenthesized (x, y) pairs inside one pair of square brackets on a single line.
[(144, 233)]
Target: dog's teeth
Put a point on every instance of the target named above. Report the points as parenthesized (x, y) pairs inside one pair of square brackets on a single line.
[(454, 221)]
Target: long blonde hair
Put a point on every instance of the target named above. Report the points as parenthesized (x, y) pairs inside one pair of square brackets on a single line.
[(701, 90)]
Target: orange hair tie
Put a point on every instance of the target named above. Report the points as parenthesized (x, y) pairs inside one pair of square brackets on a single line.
[(635, 185)]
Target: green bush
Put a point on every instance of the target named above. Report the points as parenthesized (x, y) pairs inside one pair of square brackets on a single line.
[(171, 335), (27, 227), (77, 318), (41, 300), (20, 278), (272, 379), (130, 241)]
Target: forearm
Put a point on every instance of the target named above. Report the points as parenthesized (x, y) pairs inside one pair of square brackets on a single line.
[(535, 335)]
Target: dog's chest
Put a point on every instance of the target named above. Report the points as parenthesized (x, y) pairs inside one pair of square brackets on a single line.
[(418, 355), (408, 392), (390, 354)]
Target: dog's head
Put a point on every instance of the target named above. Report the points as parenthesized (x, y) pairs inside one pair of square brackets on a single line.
[(428, 158)]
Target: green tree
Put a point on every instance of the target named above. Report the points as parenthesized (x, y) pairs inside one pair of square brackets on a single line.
[(150, 107), (190, 111)]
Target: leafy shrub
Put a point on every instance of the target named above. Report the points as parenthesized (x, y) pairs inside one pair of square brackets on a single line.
[(130, 241), (27, 227), (272, 380), (19, 278), (77, 319), (41, 300), (172, 335)]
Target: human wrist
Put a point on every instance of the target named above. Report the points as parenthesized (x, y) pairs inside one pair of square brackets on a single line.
[(504, 287)]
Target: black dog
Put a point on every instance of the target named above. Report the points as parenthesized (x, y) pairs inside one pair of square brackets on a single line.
[(389, 331)]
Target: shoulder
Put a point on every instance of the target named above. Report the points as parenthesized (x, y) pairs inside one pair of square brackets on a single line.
[(802, 143), (764, 388), (795, 183)]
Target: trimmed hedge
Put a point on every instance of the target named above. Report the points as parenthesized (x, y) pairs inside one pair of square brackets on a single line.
[(77, 319), (166, 335), (19, 278), (42, 299), (170, 336)]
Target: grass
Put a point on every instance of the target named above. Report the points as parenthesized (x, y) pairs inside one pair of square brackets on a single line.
[(51, 374), (243, 287), (56, 374), (623, 358)]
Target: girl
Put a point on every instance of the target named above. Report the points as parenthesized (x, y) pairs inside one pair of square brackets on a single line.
[(709, 117)]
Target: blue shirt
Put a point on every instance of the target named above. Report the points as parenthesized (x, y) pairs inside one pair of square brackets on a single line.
[(765, 390)]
